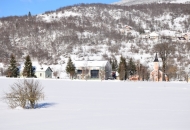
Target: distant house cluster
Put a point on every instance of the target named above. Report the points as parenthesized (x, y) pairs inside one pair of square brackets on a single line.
[(96, 70), (174, 36)]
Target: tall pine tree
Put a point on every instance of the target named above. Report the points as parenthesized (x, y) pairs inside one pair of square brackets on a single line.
[(122, 70), (29, 14), (28, 69), (114, 64), (131, 67), (12, 70), (70, 68)]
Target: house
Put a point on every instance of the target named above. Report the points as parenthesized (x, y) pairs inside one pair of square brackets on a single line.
[(146, 31), (125, 29), (153, 36), (156, 74), (128, 28), (181, 39), (93, 69), (144, 36), (186, 36), (43, 72)]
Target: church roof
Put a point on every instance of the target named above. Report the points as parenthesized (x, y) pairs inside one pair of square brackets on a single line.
[(156, 58)]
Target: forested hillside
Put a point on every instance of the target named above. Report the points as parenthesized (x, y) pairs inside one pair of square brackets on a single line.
[(95, 30)]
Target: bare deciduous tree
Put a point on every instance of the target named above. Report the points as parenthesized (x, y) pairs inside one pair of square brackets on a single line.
[(102, 73), (25, 94), (164, 50)]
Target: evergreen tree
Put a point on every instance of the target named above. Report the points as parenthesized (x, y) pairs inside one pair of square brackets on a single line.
[(131, 67), (12, 70), (70, 68), (28, 71), (114, 64), (122, 70), (29, 14), (110, 60)]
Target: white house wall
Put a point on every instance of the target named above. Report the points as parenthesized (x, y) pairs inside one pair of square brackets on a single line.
[(40, 76), (107, 69)]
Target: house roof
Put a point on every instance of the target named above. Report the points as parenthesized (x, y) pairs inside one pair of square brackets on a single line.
[(90, 63), (153, 34), (146, 30), (42, 68)]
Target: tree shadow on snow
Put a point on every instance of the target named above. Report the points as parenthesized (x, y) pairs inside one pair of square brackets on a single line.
[(45, 105)]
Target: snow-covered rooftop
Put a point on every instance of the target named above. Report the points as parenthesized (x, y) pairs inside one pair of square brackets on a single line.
[(90, 63), (153, 34), (41, 68)]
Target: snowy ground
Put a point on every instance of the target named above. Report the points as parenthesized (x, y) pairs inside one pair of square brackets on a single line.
[(107, 105)]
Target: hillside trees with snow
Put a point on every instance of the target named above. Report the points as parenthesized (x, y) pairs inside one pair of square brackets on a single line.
[(53, 34)]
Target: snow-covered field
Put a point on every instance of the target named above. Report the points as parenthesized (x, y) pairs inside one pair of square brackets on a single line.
[(107, 105)]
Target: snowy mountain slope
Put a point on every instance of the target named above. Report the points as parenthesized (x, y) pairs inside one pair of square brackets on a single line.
[(96, 32), (134, 2)]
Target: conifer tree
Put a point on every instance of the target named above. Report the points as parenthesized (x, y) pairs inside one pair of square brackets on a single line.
[(131, 67), (29, 14), (122, 70), (28, 69), (114, 64), (12, 70), (110, 60), (70, 68)]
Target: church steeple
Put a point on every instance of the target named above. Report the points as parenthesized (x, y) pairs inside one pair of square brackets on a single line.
[(156, 58)]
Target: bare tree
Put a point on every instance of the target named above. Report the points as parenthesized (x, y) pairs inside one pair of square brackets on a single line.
[(55, 73), (24, 93), (102, 73), (164, 50)]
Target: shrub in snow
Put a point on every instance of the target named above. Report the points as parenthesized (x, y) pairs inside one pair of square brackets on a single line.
[(24, 93)]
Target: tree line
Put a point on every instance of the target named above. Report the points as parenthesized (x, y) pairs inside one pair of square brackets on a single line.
[(14, 71)]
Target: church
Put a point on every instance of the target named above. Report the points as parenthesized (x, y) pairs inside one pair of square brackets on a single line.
[(156, 74)]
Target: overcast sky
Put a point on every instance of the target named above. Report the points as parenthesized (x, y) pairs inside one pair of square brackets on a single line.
[(22, 7)]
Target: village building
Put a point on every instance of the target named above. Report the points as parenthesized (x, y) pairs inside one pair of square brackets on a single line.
[(43, 72), (183, 37), (146, 31), (149, 35), (153, 36), (156, 74), (186, 36), (128, 28), (93, 69)]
